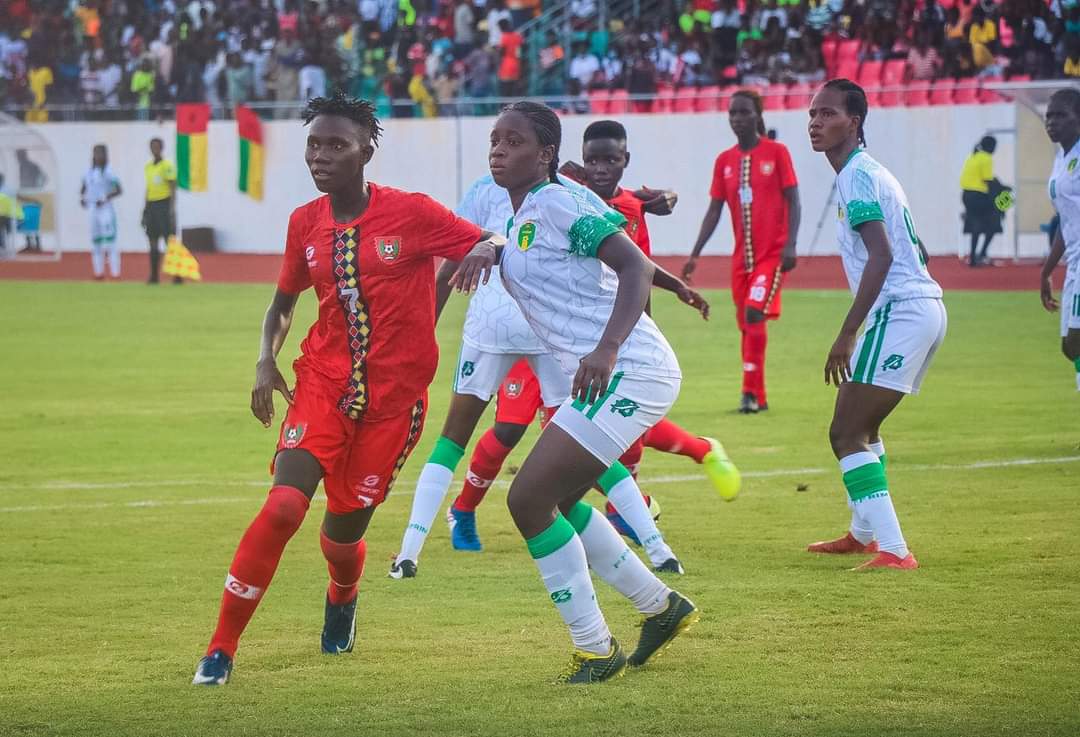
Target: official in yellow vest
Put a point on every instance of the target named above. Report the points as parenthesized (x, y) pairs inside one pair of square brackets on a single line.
[(159, 213), (981, 216)]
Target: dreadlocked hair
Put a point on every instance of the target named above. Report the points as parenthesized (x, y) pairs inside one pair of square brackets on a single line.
[(545, 123), (358, 111), (1071, 97), (854, 101), (759, 108)]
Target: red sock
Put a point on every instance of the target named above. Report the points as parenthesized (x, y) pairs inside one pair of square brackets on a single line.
[(254, 564), (487, 459), (632, 457), (754, 360), (668, 437), (346, 564)]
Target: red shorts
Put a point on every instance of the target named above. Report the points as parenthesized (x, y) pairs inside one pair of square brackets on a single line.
[(519, 396), (361, 459), (759, 289)]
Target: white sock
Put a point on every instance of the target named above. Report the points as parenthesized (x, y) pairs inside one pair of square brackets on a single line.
[(114, 260), (626, 497), (877, 448), (616, 564), (565, 571), (97, 259), (859, 528), (867, 486), (431, 488)]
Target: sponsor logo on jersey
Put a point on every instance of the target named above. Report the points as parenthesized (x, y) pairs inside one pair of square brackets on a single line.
[(728, 171), (309, 254), (513, 388), (293, 434), (467, 368), (526, 235), (893, 362), (767, 167), (388, 247), (625, 407), (1072, 165)]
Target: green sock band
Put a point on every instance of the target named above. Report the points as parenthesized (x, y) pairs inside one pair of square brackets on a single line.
[(612, 476), (882, 461), (446, 453), (865, 481), (579, 516), (551, 539), (1077, 364)]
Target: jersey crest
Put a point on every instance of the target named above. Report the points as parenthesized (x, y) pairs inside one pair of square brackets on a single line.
[(388, 248), (526, 235)]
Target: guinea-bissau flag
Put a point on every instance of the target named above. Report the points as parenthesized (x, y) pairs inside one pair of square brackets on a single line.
[(191, 161), (249, 127)]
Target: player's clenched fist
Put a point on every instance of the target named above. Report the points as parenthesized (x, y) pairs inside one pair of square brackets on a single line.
[(267, 380)]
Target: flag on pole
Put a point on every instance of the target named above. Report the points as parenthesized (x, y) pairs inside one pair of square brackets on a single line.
[(249, 127), (179, 261), (191, 123)]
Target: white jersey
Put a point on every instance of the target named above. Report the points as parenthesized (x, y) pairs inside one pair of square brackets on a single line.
[(1065, 196), (868, 192), (99, 184), (494, 323), (549, 267)]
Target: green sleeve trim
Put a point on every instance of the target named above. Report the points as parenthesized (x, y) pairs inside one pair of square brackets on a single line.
[(551, 539), (447, 453), (589, 231), (612, 476), (860, 212), (579, 516), (866, 481)]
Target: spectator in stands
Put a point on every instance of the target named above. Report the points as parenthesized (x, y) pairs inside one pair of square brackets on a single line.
[(981, 216), (552, 66), (510, 42), (923, 61), (239, 80), (1072, 56), (143, 82), (497, 12), (584, 67), (641, 75), (464, 29), (285, 64), (39, 80), (982, 35)]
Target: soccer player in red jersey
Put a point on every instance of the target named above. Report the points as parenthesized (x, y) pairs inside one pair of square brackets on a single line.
[(756, 179), (358, 405)]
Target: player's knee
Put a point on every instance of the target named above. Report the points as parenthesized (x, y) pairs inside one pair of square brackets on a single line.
[(842, 438), (285, 509), (508, 433), (1070, 345)]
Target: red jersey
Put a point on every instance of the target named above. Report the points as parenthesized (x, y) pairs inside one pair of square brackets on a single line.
[(375, 279), (752, 184), (633, 210)]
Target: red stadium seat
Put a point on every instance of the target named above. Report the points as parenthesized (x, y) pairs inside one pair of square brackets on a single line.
[(620, 102), (966, 93), (893, 72), (891, 97), (989, 96), (917, 93), (774, 96), (600, 102), (724, 102), (942, 92), (870, 73), (848, 50), (873, 96), (798, 96), (847, 69), (665, 100), (828, 52), (1020, 78), (707, 99), (684, 100)]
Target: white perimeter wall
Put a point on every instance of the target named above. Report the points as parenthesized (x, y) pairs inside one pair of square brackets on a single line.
[(924, 147)]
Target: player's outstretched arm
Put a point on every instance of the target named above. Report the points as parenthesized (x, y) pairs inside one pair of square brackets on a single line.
[(838, 364), (635, 274), (268, 378), (442, 286), (708, 225), (475, 268), (1046, 290), (657, 201), (664, 279)]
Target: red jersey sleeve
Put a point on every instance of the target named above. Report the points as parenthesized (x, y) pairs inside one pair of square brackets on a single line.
[(717, 190), (442, 233), (294, 277), (784, 168)]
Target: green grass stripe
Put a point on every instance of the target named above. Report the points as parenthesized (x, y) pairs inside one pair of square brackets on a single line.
[(183, 161), (880, 340), (867, 347)]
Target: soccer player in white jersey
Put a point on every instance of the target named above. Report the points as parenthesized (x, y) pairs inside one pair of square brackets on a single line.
[(100, 186), (582, 284), (496, 336), (1063, 127), (900, 306)]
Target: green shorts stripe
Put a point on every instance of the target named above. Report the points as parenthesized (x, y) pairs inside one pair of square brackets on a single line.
[(880, 340), (594, 407), (867, 348), (457, 367)]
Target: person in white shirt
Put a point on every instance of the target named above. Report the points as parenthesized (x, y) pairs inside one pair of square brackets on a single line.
[(582, 285), (899, 305), (100, 186), (1063, 128), (584, 66)]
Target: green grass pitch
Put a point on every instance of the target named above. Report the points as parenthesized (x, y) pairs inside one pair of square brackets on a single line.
[(130, 464)]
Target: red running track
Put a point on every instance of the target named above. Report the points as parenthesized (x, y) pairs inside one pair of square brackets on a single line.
[(817, 272)]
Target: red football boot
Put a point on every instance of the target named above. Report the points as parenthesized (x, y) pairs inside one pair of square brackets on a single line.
[(842, 546), (888, 560)]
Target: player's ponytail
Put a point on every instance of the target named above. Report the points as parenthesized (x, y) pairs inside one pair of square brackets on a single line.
[(854, 102), (545, 123)]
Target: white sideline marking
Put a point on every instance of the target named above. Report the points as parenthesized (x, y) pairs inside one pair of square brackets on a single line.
[(152, 503)]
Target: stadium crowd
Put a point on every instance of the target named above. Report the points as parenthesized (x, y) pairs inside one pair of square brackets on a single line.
[(101, 54)]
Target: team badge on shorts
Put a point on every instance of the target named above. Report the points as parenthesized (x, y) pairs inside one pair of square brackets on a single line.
[(388, 247), (893, 363), (526, 235), (625, 407), (292, 435), (513, 388)]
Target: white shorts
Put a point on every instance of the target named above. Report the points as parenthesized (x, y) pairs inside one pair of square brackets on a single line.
[(1070, 301), (609, 426), (480, 374), (102, 224), (898, 343)]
